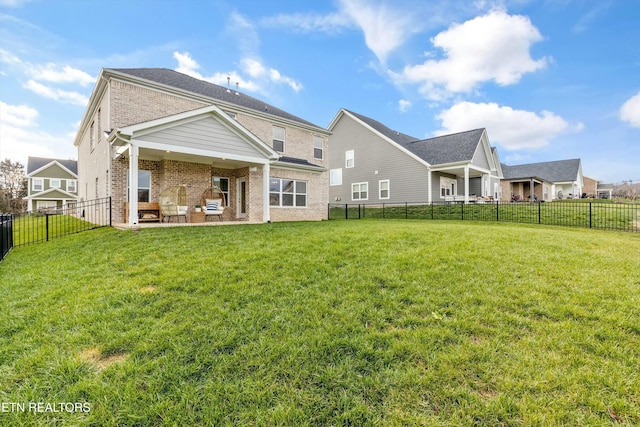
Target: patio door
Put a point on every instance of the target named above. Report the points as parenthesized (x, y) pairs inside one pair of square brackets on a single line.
[(241, 202)]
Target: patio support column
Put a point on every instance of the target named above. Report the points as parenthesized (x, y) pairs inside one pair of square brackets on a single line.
[(531, 193), (466, 184), (133, 184), (266, 169), (429, 195)]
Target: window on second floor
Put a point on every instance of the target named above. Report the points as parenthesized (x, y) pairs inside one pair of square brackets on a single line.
[(54, 183), (318, 147), (37, 184), (278, 139), (92, 136), (349, 159), (72, 186)]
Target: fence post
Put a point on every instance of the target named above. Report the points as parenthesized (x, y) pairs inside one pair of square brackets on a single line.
[(46, 217), (462, 210), (539, 204), (383, 211), (589, 214), (497, 210), (111, 216), (432, 209), (406, 213)]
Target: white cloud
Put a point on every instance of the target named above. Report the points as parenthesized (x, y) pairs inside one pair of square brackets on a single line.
[(630, 111), (309, 22), (404, 105), (65, 74), (20, 136), (512, 129), (17, 115), (259, 73), (385, 27), (64, 96), (494, 47)]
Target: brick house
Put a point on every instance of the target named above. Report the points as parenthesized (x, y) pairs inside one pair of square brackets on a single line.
[(147, 129)]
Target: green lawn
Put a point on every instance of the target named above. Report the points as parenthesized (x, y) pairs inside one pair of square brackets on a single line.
[(398, 322), (32, 228)]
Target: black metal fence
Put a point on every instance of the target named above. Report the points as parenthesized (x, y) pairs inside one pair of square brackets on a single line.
[(32, 227), (606, 216), (6, 234)]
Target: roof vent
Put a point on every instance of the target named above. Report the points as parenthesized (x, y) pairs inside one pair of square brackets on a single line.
[(237, 84), (228, 83)]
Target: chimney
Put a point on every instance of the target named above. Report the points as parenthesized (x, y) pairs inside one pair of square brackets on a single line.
[(237, 84), (228, 83)]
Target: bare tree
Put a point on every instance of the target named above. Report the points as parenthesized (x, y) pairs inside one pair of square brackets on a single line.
[(13, 186)]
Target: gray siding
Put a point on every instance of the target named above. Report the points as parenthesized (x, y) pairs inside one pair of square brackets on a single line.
[(480, 158), (475, 186), (375, 159), (204, 134)]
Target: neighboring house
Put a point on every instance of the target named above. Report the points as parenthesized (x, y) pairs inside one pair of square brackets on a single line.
[(52, 183), (590, 187), (371, 163), (560, 179), (605, 191), (150, 128)]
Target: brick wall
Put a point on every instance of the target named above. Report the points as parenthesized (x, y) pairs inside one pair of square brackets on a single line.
[(135, 104), (317, 196)]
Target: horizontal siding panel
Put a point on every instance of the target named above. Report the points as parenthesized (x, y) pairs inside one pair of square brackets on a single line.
[(204, 134), (480, 157), (408, 178)]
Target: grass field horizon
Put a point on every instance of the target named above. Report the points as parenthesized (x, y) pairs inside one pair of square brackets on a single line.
[(394, 322)]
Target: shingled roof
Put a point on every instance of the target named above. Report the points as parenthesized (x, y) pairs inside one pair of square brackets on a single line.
[(393, 135), (555, 171), (187, 83), (453, 148), (35, 163)]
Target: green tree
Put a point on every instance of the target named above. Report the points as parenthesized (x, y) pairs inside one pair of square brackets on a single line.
[(13, 186)]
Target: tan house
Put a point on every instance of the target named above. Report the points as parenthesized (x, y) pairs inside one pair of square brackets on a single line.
[(148, 129)]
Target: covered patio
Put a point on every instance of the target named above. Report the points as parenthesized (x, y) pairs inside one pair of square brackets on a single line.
[(199, 149), (463, 182)]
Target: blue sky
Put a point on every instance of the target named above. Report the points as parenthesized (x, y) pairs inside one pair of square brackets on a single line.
[(550, 79)]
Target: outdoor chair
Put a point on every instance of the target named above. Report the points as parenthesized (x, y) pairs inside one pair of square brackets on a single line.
[(173, 202), (213, 203)]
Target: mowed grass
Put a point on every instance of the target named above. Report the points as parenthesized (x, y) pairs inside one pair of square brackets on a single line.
[(369, 322)]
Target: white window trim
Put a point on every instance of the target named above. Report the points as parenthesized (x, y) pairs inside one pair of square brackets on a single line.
[(55, 183), (284, 136), (319, 139), (445, 183), (92, 136), (295, 194), (349, 155), (360, 190), (35, 182), (72, 183), (225, 192), (388, 189), (335, 177)]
